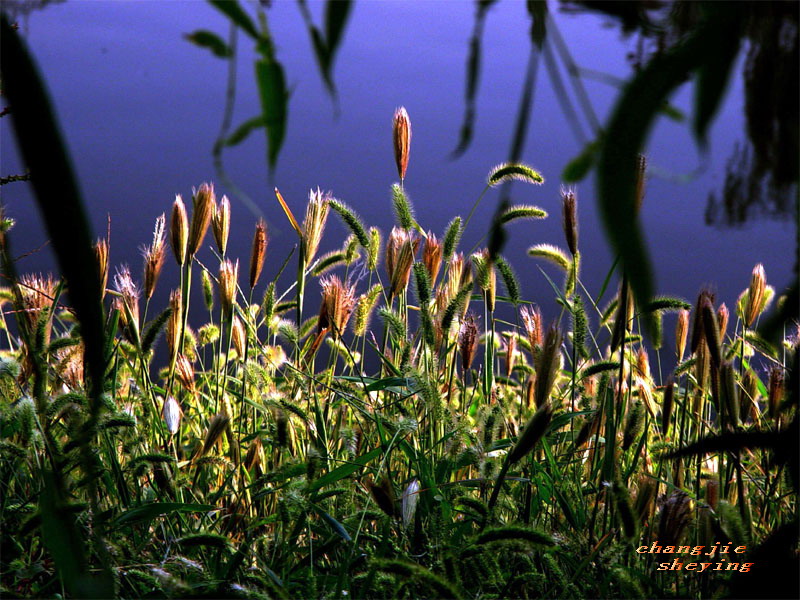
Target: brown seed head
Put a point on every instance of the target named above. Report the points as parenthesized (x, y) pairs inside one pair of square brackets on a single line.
[(101, 254), (723, 315), (668, 404), (203, 203), (338, 301), (570, 222), (258, 253), (532, 321), (432, 257), (129, 297), (712, 493), (185, 373), (698, 327), (179, 230), (401, 136), (511, 351), (675, 518), (681, 333), (174, 323), (314, 223), (776, 388), (228, 278), (221, 224), (643, 364), (401, 248), (468, 341), (37, 293), (239, 337), (154, 257), (755, 294)]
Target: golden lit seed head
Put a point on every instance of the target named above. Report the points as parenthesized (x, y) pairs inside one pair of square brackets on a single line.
[(221, 224), (179, 230), (401, 136), (154, 257), (338, 301), (401, 248), (432, 257), (204, 202), (228, 276), (755, 296), (258, 253), (723, 315), (174, 322), (314, 223), (101, 254), (185, 373), (239, 337), (681, 333)]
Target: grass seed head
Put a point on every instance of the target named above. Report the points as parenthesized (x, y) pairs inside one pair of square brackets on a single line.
[(401, 138), (374, 248), (101, 254), (228, 277), (221, 224), (174, 322), (239, 337), (468, 341), (755, 294), (338, 301), (432, 257), (154, 255), (203, 204), (314, 224), (569, 204), (681, 333), (775, 391), (258, 252), (179, 230), (401, 248)]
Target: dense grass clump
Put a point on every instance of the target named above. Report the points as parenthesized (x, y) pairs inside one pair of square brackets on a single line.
[(423, 434)]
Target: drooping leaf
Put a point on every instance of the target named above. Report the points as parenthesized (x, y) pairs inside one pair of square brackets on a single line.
[(245, 129), (274, 99), (210, 40), (236, 13)]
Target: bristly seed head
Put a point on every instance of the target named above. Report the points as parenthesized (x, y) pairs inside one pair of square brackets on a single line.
[(401, 136), (570, 212), (401, 248), (179, 230), (338, 300), (154, 257), (755, 294), (314, 224), (681, 333), (468, 341), (258, 253), (203, 203), (101, 254), (228, 277), (432, 257), (221, 224)]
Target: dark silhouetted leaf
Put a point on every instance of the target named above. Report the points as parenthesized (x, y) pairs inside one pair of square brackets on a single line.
[(207, 39), (245, 129), (236, 13), (579, 166), (274, 99)]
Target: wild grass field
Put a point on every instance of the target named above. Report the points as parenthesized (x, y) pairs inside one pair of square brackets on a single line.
[(398, 422)]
